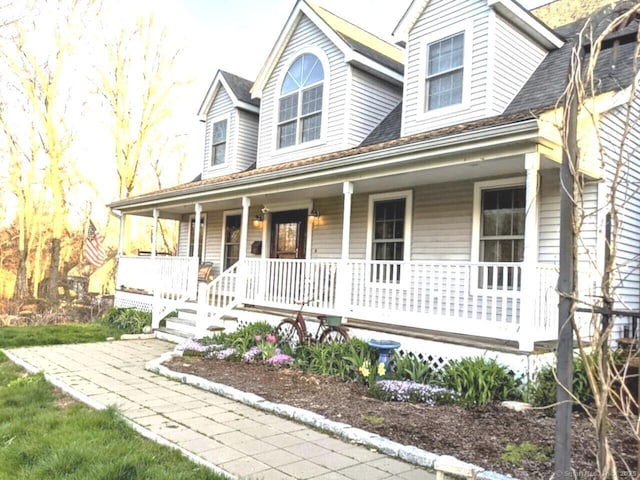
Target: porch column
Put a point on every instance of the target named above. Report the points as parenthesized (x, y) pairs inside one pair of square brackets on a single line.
[(154, 233), (196, 231), (343, 277), (347, 191), (530, 281), (244, 230), (121, 237)]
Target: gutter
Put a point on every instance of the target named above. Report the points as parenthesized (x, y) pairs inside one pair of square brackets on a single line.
[(527, 130)]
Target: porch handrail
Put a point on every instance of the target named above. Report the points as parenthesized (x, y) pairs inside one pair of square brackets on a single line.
[(219, 297)]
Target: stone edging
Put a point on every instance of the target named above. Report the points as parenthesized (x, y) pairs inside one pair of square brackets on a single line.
[(407, 453)]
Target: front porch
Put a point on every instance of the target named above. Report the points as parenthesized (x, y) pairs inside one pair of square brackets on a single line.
[(512, 302)]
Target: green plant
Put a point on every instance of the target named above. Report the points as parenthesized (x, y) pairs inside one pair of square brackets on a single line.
[(408, 366), (542, 392), (480, 381), (128, 320), (358, 353), (373, 419), (523, 452)]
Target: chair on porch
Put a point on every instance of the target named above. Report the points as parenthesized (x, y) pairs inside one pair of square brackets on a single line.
[(205, 272)]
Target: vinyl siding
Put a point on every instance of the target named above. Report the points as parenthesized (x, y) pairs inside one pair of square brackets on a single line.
[(221, 108), (623, 149), (371, 101), (513, 59), (444, 14), (549, 221), (247, 140), (333, 135)]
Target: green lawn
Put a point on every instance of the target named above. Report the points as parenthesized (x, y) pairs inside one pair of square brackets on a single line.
[(11, 337), (45, 435)]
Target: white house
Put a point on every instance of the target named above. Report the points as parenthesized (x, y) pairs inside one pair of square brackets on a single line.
[(413, 189)]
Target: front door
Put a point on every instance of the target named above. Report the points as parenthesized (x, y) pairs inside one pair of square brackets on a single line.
[(289, 234)]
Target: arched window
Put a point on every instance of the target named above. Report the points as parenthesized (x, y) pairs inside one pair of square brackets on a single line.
[(300, 116)]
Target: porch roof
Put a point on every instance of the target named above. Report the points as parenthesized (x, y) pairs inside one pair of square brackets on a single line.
[(463, 143)]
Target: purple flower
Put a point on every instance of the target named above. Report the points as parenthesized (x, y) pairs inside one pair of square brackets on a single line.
[(271, 338), (224, 354), (251, 354), (193, 345), (280, 359), (408, 391)]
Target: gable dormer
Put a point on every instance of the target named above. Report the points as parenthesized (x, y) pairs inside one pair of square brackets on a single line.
[(467, 59), (325, 85), (231, 131)]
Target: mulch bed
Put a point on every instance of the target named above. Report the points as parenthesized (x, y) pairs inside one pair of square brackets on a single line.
[(478, 435)]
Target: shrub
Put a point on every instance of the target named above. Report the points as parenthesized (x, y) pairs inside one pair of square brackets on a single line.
[(543, 389), (129, 320), (480, 381)]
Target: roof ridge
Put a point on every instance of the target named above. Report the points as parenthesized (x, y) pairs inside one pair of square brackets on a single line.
[(344, 27)]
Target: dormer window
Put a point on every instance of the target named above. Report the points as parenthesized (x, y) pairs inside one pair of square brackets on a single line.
[(444, 76), (300, 115), (219, 143)]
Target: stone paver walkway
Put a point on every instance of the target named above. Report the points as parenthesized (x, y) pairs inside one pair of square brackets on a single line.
[(232, 438)]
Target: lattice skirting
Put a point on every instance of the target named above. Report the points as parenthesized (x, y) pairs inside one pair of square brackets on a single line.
[(139, 301)]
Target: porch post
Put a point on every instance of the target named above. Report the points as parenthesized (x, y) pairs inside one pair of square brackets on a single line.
[(246, 203), (347, 191), (196, 231), (343, 282), (154, 234), (121, 237), (530, 281)]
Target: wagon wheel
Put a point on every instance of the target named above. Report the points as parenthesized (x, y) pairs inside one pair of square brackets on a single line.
[(334, 334), (288, 331)]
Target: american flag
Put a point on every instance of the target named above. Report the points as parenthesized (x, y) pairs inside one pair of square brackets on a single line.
[(94, 252)]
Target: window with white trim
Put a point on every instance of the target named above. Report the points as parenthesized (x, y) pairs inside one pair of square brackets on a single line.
[(219, 143), (502, 221), (445, 72), (389, 235), (300, 105)]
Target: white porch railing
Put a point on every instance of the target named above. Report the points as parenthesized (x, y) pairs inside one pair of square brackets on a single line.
[(171, 280), (484, 299)]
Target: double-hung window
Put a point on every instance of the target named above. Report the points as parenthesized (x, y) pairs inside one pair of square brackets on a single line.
[(502, 220), (219, 143), (445, 72), (389, 235), (300, 105)]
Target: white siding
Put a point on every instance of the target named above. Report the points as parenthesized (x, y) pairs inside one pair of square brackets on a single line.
[(444, 14), (305, 35), (549, 221), (326, 238), (221, 108), (247, 140), (371, 101), (623, 150), (549, 217), (513, 59)]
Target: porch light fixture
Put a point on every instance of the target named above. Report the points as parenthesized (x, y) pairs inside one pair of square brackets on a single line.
[(257, 220), (314, 213)]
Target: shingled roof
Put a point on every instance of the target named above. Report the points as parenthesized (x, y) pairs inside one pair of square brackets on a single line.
[(614, 69), (241, 88)]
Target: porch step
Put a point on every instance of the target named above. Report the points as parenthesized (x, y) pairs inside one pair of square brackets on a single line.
[(171, 335), (184, 322)]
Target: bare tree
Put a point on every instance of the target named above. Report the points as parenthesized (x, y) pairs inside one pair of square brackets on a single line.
[(611, 137)]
